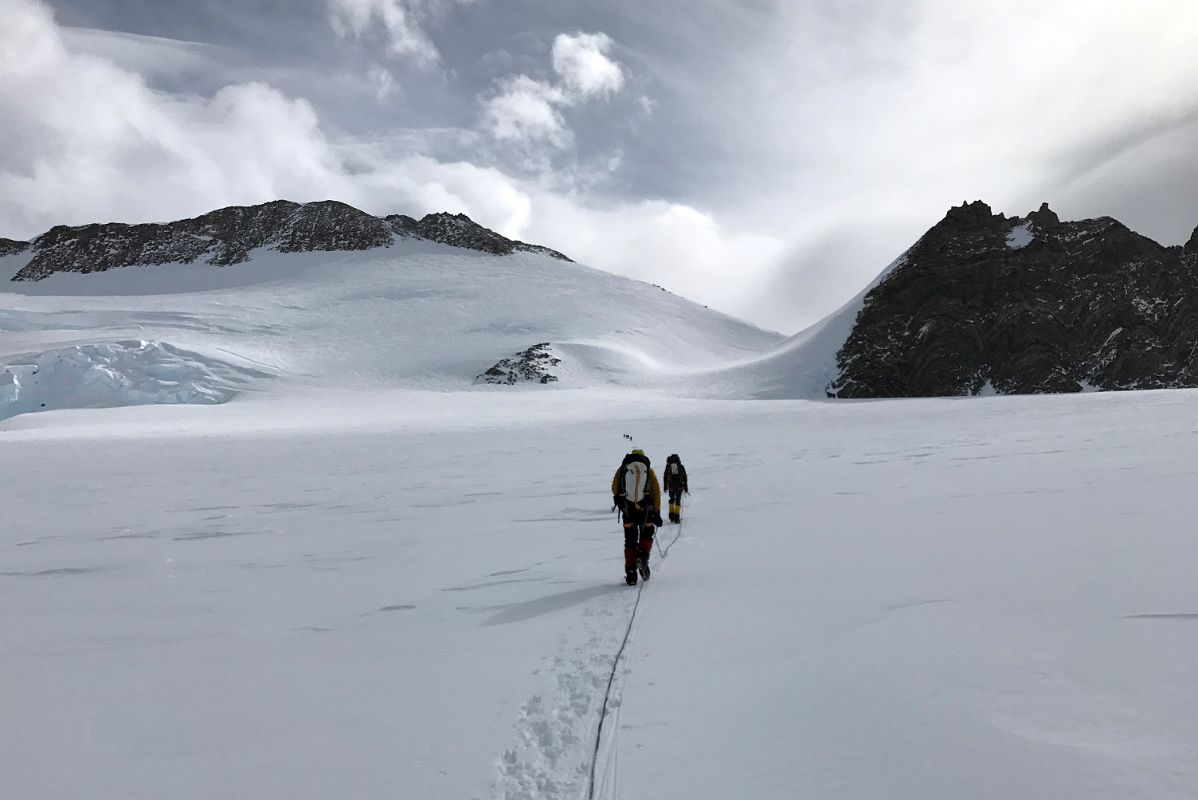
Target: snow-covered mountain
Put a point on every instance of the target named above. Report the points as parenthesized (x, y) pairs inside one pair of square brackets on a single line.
[(325, 297), (981, 303)]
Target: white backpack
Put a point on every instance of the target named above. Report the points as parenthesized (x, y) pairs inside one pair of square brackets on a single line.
[(636, 481)]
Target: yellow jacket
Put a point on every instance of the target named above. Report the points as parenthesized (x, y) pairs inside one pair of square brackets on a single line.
[(654, 487)]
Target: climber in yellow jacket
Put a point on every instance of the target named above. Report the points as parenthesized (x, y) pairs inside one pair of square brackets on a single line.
[(636, 492)]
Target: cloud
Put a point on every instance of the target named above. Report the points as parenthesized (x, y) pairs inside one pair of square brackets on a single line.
[(673, 245), (528, 112), (849, 127), (383, 82), (404, 36), (85, 140), (582, 64), (149, 56)]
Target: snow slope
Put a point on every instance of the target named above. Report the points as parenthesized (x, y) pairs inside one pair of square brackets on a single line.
[(417, 315), (989, 598), (803, 365)]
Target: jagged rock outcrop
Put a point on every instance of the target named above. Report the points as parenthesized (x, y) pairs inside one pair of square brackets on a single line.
[(459, 230), (1026, 305), (10, 247), (227, 236), (530, 366)]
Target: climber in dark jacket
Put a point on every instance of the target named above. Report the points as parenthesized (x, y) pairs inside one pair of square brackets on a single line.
[(674, 478)]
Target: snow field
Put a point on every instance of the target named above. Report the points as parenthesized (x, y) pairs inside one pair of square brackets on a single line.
[(986, 598)]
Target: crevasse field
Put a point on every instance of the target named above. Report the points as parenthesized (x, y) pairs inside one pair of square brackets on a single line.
[(317, 561)]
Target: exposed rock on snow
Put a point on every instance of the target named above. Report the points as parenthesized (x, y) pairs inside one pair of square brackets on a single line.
[(227, 236), (114, 374), (1071, 305), (529, 366)]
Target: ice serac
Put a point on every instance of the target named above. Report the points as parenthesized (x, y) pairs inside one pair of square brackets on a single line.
[(228, 236), (1026, 305)]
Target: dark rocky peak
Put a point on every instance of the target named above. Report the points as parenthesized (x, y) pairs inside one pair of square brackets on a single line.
[(11, 247), (287, 227), (1026, 305), (458, 230), (228, 235), (1045, 217), (1192, 245), (966, 232), (330, 225), (971, 215)]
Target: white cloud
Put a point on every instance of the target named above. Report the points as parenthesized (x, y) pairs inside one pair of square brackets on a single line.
[(85, 140), (418, 185), (148, 56), (673, 245), (582, 64), (526, 110), (398, 19), (383, 82)]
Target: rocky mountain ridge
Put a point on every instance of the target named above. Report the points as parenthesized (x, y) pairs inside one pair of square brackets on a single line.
[(10, 247), (228, 235), (983, 302)]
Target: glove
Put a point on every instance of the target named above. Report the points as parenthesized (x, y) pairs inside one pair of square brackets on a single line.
[(657, 518), (615, 501)]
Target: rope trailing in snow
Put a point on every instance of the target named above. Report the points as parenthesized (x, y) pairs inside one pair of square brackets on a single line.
[(615, 666), (611, 679), (666, 552)]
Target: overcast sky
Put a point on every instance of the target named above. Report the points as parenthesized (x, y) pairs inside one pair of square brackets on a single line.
[(767, 158)]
